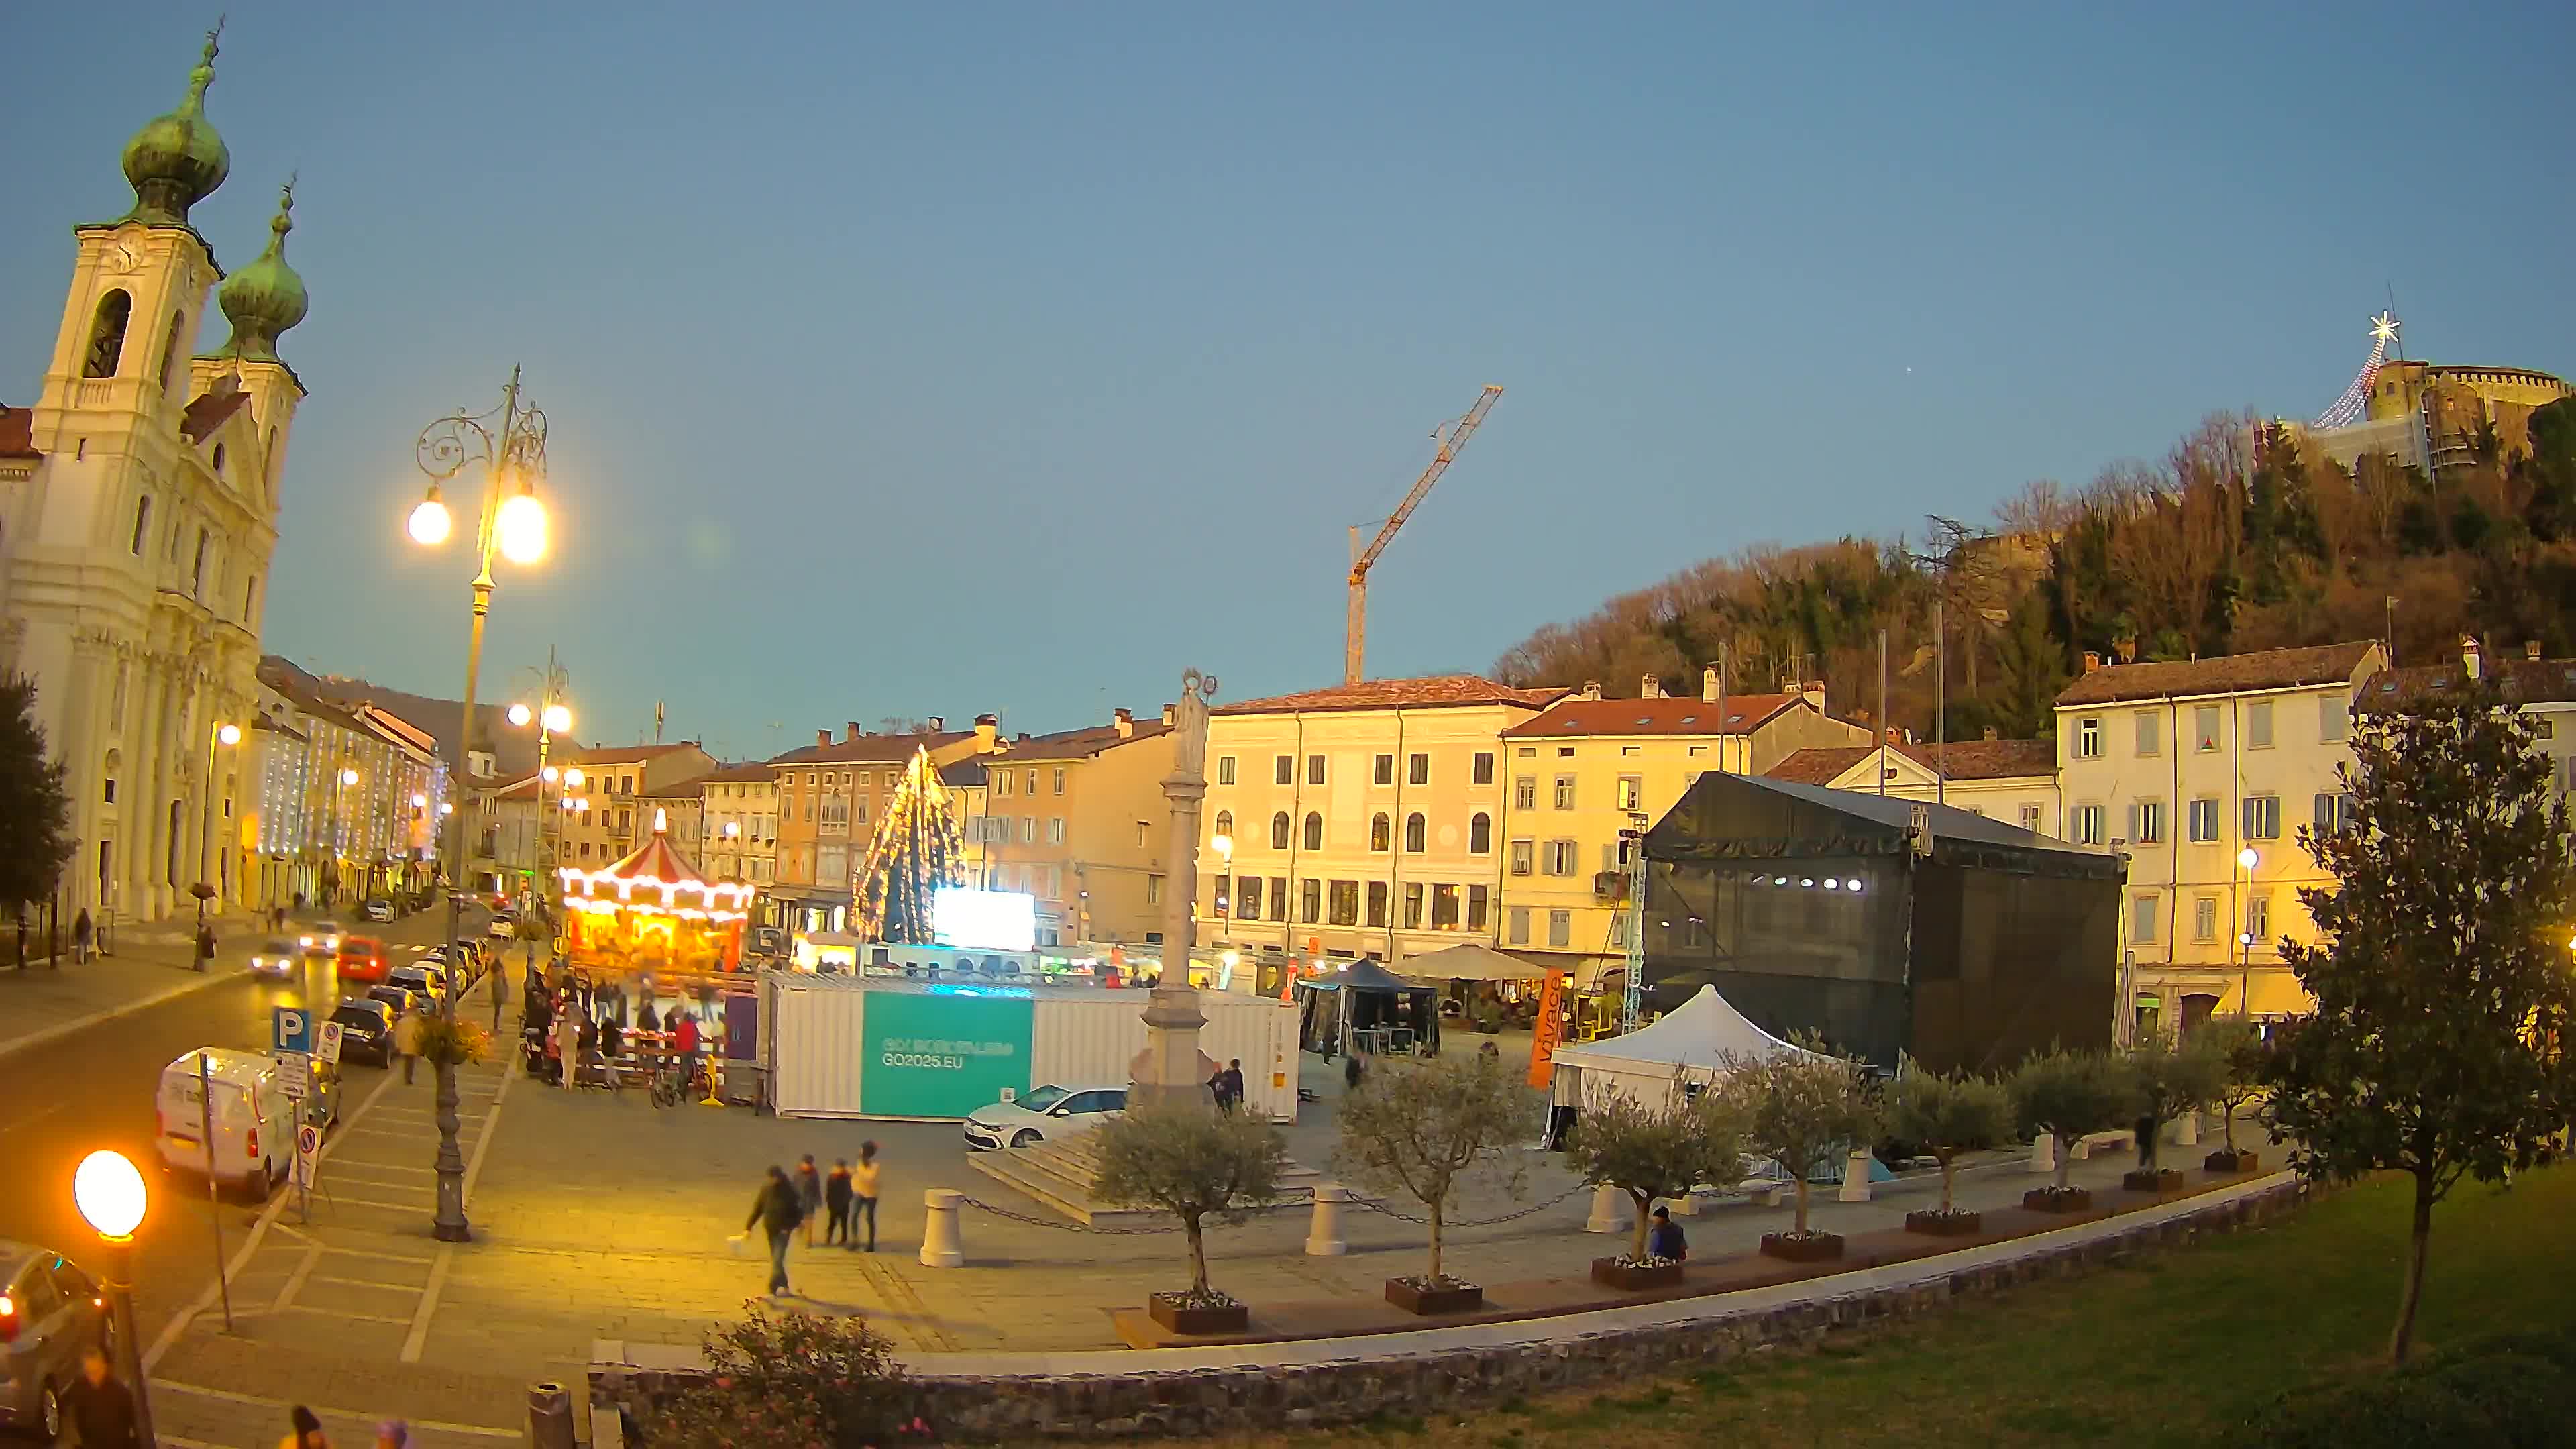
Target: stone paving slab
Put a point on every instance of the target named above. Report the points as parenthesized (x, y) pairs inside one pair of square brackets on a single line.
[(47, 1001)]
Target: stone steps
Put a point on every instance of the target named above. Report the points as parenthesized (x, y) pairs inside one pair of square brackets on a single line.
[(1060, 1173)]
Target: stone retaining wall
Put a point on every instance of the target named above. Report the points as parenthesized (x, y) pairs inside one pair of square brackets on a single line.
[(1253, 1396)]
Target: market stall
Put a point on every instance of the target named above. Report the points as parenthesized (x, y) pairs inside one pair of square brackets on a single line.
[(1690, 1045), (1361, 1006)]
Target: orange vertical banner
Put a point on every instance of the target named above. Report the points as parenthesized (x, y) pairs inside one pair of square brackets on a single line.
[(1548, 1030)]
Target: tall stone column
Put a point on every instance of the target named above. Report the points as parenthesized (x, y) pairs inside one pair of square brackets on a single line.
[(1171, 1068)]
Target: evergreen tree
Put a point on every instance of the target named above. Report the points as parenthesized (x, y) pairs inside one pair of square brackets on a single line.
[(35, 814), (2440, 968)]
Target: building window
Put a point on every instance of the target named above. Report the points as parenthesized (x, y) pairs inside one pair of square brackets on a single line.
[(2204, 729), (1225, 769), (1560, 928), (1283, 770), (1028, 830), (2258, 725), (1278, 898), (1476, 899), (1382, 769), (2147, 822), (1560, 858), (1314, 831), (1058, 781), (1279, 831), (197, 573), (142, 522), (1522, 851), (1381, 832), (1033, 784), (2150, 732), (2258, 918), (2142, 919), (1055, 830), (1484, 767), (1377, 903), (1632, 789), (2334, 718), (1314, 769), (2088, 825), (1310, 901), (107, 794), (1225, 824), (1525, 792), (1565, 752), (2088, 738), (2030, 818), (1480, 834), (1247, 902), (1565, 792), (1345, 904), (2336, 810), (1518, 923), (1444, 908), (1001, 783), (2262, 817), (1414, 832), (1417, 770), (2204, 918), (1413, 905), (2204, 820)]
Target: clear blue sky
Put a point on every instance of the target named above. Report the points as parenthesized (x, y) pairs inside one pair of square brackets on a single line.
[(908, 359)]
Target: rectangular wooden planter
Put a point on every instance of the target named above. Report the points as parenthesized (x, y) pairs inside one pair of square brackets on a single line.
[(2232, 1162), (1462, 1298), (1936, 1223), (1813, 1248), (1166, 1310), (2050, 1200), (1611, 1273), (2159, 1180)]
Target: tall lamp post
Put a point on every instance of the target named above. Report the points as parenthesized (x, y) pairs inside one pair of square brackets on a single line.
[(510, 443), (225, 736), (2247, 860), (110, 1196)]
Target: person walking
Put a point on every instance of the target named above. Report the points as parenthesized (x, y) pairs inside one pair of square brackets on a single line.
[(836, 1201), (1216, 1090), (393, 1434), (864, 1192), (809, 1194), (500, 989), (308, 1431), (81, 933), (684, 1046), (567, 1050), (1352, 1071), (775, 1212), (1230, 1084), (100, 1406), (407, 1040)]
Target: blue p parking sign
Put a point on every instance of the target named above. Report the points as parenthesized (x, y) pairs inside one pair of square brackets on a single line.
[(290, 1029)]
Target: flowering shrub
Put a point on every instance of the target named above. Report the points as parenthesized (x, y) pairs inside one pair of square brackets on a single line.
[(793, 1381)]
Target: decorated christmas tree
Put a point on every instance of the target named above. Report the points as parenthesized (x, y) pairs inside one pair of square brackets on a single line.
[(916, 850)]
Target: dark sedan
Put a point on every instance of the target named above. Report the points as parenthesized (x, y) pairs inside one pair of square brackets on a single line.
[(366, 1031), (49, 1311)]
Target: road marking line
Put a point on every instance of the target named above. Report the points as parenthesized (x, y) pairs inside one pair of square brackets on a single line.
[(40, 1112), (336, 1313), (412, 1259), (178, 1324), (389, 1167), (60, 1030), (426, 1308), (228, 1396), (295, 1280), (366, 1283), (174, 1439), (368, 1202)]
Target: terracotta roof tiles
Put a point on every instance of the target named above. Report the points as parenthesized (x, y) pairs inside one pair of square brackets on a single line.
[(1434, 691), (2227, 674), (1672, 715), (208, 411), (1968, 760), (18, 433), (1084, 743), (870, 749)]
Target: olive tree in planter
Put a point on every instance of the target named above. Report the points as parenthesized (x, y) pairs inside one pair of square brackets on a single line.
[(2169, 1079), (1196, 1163), (1426, 1128), (1948, 1116), (1802, 1107), (2069, 1096), (2236, 1048), (1654, 1151)]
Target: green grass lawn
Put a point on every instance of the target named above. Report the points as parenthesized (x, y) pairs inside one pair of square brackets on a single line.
[(2176, 1349)]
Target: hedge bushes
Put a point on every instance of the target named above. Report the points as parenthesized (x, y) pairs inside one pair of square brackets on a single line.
[(2512, 1390)]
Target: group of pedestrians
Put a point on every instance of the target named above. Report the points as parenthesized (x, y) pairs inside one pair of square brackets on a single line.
[(802, 1199), (1226, 1086), (102, 1413)]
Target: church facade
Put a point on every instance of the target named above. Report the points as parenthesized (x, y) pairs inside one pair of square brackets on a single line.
[(139, 503)]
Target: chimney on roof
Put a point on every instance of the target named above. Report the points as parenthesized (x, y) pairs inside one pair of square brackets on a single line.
[(1167, 714), (1024, 737), (2469, 661), (1651, 688), (1123, 721), (822, 737), (1592, 689), (987, 728), (2092, 660), (2531, 650), (851, 731), (1895, 736), (939, 724), (1708, 685)]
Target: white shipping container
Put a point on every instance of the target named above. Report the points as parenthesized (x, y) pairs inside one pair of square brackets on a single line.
[(1094, 1038), (815, 1045)]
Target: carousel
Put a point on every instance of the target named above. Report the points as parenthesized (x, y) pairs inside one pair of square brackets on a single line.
[(652, 913)]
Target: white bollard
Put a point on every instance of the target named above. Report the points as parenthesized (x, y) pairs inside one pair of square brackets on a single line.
[(1606, 1215), (1324, 1233), (1855, 1178), (2043, 1154), (2081, 1150), (939, 1243), (2187, 1130)]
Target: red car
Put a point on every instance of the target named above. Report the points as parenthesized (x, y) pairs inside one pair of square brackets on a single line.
[(362, 958)]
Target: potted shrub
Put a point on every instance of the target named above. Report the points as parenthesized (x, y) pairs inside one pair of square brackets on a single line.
[(1802, 1107), (1650, 1152), (1196, 1163), (790, 1379), (2237, 1047), (1425, 1128), (2069, 1095), (1948, 1116), (2169, 1079)]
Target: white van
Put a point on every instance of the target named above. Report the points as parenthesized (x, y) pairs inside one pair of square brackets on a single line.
[(254, 1120)]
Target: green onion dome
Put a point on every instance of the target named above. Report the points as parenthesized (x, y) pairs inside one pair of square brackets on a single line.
[(264, 299), (177, 160)]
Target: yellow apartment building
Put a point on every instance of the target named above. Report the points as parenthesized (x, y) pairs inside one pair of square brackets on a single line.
[(740, 806), (2201, 773), (1588, 768), (831, 794), (2013, 781), (1364, 820), (1078, 820), (616, 781)]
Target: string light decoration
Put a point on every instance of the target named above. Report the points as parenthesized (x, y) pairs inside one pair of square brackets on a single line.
[(651, 910), (916, 850), (2348, 408)]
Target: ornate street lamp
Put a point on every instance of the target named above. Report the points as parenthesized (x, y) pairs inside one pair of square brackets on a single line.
[(510, 443), (110, 1196)]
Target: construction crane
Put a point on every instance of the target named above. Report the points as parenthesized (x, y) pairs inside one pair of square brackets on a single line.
[(1452, 436)]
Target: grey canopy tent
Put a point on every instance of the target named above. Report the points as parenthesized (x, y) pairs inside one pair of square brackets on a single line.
[(1361, 996)]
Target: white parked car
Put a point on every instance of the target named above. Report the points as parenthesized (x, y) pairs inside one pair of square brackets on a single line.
[(1048, 1111)]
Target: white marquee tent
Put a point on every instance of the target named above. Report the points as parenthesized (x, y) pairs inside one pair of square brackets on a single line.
[(1692, 1042)]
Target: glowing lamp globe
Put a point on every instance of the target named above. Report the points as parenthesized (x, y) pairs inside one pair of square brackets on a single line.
[(558, 718), (229, 735), (521, 529), (573, 776), (348, 777), (429, 523), (446, 807), (520, 716), (109, 1193), (2247, 857), (418, 800)]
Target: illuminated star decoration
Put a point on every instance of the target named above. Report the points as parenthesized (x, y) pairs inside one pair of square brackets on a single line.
[(2348, 408), (2383, 328)]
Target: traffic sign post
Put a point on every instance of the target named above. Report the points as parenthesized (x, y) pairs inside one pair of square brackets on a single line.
[(290, 1029), (326, 1041), (308, 1156)]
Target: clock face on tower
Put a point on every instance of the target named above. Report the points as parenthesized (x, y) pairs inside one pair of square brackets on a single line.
[(122, 257)]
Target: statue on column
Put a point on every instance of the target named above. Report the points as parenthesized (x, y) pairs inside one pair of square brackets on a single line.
[(1171, 1065)]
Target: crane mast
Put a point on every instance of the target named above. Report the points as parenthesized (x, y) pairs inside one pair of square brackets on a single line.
[(1452, 437)]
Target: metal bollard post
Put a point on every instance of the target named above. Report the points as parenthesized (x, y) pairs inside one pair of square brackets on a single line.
[(1324, 1232), (940, 1246), (1855, 1178), (2043, 1153), (549, 1416), (1605, 1216)]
